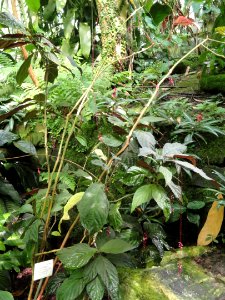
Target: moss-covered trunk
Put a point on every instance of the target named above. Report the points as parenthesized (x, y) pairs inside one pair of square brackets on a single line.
[(112, 20)]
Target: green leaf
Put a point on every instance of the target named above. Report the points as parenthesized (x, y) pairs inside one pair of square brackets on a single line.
[(68, 22), (94, 208), (76, 256), (5, 280), (33, 232), (2, 246), (108, 275), (196, 204), (81, 173), (51, 72), (159, 12), (171, 149), (189, 166), (49, 9), (151, 119), (6, 295), (33, 5), (26, 147), (111, 141), (7, 137), (166, 173), (145, 139), (71, 288), (116, 121), (116, 246), (148, 5), (85, 39), (23, 70), (60, 4), (82, 140), (142, 195), (115, 219), (193, 218), (160, 196), (70, 204), (176, 189), (95, 289)]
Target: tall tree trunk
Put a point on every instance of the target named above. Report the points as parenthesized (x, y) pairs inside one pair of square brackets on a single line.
[(112, 19)]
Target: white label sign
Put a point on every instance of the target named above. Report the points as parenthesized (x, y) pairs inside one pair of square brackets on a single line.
[(43, 269)]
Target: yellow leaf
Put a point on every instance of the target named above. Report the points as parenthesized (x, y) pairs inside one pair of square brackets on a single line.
[(212, 225), (70, 204)]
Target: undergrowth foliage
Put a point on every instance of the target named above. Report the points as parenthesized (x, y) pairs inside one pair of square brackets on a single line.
[(89, 174)]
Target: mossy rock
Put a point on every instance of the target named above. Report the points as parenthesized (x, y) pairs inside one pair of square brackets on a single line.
[(213, 83), (179, 278), (212, 153)]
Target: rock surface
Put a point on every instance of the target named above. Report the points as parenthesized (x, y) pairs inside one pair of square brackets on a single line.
[(178, 278)]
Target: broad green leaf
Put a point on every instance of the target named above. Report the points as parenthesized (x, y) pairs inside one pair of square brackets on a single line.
[(82, 140), (76, 256), (5, 280), (81, 173), (160, 196), (145, 139), (51, 72), (95, 289), (193, 218), (6, 295), (166, 173), (23, 70), (196, 204), (176, 189), (52, 57), (94, 208), (159, 12), (33, 232), (49, 9), (115, 219), (9, 190), (2, 246), (212, 225), (70, 204), (116, 246), (116, 121), (111, 141), (7, 137), (33, 5), (70, 289), (151, 119), (189, 166), (171, 149), (108, 275), (26, 147), (68, 22), (85, 39), (147, 5), (60, 4), (142, 195)]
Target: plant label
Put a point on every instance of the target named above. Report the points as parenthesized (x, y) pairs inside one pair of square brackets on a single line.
[(43, 269)]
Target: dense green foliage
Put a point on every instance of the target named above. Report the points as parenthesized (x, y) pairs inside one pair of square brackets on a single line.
[(98, 157)]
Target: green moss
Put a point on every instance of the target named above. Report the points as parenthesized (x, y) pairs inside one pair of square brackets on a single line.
[(139, 285), (213, 83), (212, 153), (185, 252)]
